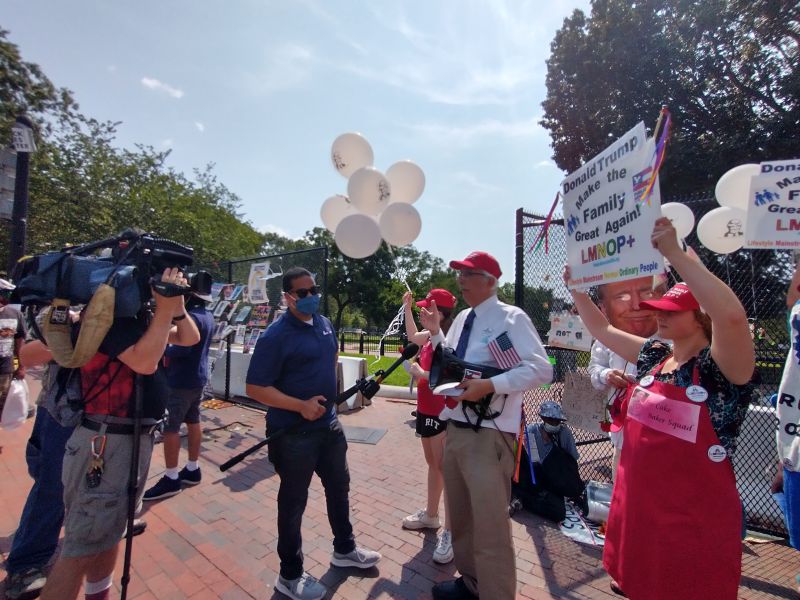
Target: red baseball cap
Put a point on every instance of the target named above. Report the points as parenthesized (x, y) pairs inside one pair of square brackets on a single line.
[(443, 299), (481, 261), (678, 298)]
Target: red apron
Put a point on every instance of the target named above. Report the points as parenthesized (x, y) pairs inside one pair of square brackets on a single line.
[(674, 528)]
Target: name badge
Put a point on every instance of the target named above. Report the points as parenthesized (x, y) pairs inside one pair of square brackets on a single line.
[(673, 417), (647, 381), (696, 393)]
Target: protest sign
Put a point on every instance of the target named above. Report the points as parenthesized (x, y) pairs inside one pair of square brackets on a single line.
[(257, 283), (568, 331), (773, 206), (607, 216), (584, 406)]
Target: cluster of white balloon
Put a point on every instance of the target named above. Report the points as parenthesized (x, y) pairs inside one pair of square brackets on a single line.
[(377, 206), (722, 229)]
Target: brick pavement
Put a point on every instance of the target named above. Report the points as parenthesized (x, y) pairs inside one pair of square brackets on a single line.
[(218, 540)]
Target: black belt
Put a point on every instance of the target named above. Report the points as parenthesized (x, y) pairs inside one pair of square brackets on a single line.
[(118, 428)]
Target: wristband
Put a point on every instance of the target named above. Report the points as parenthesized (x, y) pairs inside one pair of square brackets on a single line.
[(180, 318)]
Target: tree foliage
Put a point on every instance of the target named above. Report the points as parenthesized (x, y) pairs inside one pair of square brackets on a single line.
[(84, 188), (25, 89), (727, 69)]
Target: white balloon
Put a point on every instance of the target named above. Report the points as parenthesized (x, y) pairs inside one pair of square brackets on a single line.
[(334, 209), (407, 181), (350, 152), (681, 216), (400, 224), (369, 191), (722, 229), (357, 236), (734, 186)]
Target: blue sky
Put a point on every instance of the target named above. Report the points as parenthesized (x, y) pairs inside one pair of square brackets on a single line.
[(262, 88)]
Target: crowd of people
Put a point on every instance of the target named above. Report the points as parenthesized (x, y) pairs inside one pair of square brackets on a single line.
[(677, 365)]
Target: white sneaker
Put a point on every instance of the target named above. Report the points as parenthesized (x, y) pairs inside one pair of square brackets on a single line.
[(304, 587), (444, 548), (361, 558), (421, 520)]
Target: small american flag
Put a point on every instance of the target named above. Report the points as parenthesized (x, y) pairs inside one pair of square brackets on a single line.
[(503, 351)]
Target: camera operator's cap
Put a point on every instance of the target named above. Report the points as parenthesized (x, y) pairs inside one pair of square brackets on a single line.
[(678, 298), (481, 261), (551, 410), (6, 285), (443, 299)]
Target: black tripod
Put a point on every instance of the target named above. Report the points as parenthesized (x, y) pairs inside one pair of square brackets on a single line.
[(133, 480)]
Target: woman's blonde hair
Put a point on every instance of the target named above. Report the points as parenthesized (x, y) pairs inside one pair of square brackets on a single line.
[(705, 322)]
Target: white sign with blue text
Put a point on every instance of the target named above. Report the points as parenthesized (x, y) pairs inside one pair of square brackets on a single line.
[(773, 206), (608, 216)]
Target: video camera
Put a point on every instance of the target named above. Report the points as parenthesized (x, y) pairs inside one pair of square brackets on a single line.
[(134, 264)]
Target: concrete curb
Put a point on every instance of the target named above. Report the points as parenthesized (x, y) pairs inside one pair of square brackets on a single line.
[(397, 392)]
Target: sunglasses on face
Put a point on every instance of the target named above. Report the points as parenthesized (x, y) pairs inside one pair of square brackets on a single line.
[(303, 292)]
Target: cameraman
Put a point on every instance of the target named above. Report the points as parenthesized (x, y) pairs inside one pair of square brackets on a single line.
[(99, 452)]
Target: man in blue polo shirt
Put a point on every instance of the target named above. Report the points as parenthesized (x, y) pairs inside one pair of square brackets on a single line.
[(293, 371)]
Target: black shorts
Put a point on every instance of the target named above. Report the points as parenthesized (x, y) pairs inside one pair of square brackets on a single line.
[(429, 426)]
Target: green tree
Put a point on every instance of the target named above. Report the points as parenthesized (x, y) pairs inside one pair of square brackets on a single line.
[(24, 88), (83, 188), (727, 69)]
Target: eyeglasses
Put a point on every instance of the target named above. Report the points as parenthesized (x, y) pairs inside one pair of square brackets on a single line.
[(467, 273), (627, 296), (303, 292)]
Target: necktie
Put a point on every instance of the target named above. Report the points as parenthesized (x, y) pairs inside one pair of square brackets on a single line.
[(463, 340)]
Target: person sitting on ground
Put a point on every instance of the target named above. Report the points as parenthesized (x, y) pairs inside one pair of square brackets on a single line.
[(430, 427), (549, 473)]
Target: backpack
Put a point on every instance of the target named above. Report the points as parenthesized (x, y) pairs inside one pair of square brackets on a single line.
[(63, 397)]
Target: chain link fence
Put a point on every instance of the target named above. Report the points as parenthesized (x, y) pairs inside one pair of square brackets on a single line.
[(237, 274), (758, 277)]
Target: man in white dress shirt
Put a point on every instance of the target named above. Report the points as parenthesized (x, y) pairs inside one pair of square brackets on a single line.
[(619, 301), (479, 454)]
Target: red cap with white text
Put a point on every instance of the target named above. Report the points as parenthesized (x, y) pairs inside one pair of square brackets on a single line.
[(678, 298)]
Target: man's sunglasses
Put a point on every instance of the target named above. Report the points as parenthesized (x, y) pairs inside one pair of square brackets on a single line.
[(303, 292)]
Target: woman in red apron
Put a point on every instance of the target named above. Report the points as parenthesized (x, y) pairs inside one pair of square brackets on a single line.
[(674, 530), (430, 428)]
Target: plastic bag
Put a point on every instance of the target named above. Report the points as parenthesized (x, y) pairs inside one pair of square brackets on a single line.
[(15, 410)]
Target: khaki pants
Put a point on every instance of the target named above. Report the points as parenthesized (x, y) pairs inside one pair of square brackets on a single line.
[(478, 466)]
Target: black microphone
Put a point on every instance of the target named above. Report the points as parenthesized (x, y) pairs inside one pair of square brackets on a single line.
[(369, 387)]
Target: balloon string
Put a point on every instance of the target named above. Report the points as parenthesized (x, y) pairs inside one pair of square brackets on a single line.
[(399, 319)]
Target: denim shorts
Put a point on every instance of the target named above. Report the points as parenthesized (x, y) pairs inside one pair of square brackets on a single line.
[(184, 407)]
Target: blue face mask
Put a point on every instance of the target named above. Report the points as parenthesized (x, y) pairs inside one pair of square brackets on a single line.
[(308, 305)]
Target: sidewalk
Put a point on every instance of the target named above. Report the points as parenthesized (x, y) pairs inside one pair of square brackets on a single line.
[(218, 539)]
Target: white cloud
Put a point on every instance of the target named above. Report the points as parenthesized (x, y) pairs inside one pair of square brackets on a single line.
[(167, 143), (448, 135), (270, 228), (200, 127), (285, 67), (468, 179), (111, 68), (459, 53), (160, 86), (545, 164)]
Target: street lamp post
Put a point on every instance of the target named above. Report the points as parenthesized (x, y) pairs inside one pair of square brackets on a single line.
[(23, 142)]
